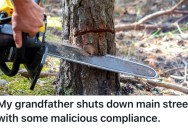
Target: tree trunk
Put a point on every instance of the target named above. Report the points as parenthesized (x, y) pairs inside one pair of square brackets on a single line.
[(88, 24)]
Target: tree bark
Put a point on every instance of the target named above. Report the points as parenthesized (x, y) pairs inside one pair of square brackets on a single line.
[(88, 24)]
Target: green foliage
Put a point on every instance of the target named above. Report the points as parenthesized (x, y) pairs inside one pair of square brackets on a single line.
[(21, 85), (54, 22), (53, 38), (54, 25), (158, 33)]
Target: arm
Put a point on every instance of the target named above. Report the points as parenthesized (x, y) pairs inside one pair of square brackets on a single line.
[(27, 17)]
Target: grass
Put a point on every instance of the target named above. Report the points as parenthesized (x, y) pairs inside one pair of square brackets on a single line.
[(55, 24), (157, 33), (52, 38), (19, 85)]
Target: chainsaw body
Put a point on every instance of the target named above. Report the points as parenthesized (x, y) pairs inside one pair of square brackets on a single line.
[(33, 52)]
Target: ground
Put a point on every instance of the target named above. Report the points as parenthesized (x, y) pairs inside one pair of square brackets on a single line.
[(164, 50)]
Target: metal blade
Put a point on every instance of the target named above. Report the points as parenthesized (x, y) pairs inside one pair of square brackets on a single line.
[(107, 62)]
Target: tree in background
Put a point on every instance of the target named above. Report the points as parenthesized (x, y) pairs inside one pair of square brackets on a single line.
[(88, 24)]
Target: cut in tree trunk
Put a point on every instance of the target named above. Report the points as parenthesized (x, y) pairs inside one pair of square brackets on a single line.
[(88, 24)]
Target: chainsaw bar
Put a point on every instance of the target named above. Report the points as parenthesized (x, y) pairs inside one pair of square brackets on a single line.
[(107, 62)]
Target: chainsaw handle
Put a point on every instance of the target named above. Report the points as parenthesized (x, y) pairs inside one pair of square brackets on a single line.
[(9, 42), (16, 61)]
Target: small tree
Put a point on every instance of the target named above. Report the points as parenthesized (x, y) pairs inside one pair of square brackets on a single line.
[(88, 24)]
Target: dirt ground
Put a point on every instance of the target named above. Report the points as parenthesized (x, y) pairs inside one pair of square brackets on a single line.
[(165, 50)]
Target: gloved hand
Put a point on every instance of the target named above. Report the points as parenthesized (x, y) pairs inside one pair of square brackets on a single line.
[(27, 17)]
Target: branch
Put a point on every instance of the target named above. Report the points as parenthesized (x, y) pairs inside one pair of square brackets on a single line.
[(24, 73), (136, 26), (155, 83), (173, 70), (160, 13), (180, 12), (139, 25)]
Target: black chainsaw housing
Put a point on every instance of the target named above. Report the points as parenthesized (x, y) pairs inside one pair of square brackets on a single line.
[(32, 55)]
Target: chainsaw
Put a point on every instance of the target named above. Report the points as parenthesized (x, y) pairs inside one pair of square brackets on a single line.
[(34, 50)]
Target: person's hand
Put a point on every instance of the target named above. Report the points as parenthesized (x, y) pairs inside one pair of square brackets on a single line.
[(27, 17)]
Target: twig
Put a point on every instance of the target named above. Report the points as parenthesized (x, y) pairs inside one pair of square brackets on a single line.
[(181, 12), (139, 25), (177, 77), (169, 86), (42, 74), (179, 29), (155, 83), (173, 70), (185, 69), (136, 26), (183, 19), (160, 13)]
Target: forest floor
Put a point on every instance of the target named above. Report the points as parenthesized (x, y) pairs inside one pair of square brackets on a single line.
[(165, 50)]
